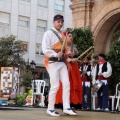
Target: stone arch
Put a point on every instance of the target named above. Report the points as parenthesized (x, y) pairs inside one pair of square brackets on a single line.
[(104, 26)]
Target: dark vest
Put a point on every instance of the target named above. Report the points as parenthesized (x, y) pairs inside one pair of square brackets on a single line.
[(104, 69), (88, 69)]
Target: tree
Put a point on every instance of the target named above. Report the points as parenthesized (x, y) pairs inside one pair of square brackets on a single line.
[(11, 51), (114, 58), (82, 38), (26, 77)]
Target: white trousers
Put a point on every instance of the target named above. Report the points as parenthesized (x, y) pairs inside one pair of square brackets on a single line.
[(58, 72)]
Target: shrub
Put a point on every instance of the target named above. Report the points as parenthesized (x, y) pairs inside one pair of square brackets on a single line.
[(21, 98)]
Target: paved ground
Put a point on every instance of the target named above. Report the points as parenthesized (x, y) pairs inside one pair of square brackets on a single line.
[(40, 114)]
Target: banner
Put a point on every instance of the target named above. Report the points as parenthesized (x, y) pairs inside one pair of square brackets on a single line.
[(9, 80), (6, 79)]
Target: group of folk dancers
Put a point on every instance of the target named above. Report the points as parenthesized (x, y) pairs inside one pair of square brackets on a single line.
[(65, 77)]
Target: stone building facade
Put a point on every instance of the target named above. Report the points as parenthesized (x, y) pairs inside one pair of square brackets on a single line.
[(101, 16)]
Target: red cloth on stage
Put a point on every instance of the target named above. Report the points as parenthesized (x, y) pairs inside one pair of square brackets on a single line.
[(75, 86)]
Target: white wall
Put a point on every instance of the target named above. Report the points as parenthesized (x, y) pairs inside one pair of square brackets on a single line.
[(34, 12)]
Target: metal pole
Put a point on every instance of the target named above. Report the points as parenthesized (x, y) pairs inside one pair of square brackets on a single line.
[(16, 87), (33, 86)]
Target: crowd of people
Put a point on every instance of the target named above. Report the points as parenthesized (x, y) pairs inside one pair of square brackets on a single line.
[(71, 83)]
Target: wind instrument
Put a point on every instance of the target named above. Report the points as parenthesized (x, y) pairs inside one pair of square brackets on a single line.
[(64, 42), (63, 46), (85, 52), (86, 56)]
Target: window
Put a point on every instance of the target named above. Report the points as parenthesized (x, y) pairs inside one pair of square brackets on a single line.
[(41, 25), (26, 0), (4, 18), (43, 2), (39, 49), (23, 21), (59, 5)]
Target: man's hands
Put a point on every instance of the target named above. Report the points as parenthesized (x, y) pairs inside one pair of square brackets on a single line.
[(84, 72), (59, 55), (100, 74)]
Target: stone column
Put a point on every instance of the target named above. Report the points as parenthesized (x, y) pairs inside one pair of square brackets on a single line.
[(81, 13)]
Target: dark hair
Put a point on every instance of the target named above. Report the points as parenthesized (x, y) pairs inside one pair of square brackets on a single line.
[(69, 32), (88, 58), (58, 17), (95, 57), (102, 55)]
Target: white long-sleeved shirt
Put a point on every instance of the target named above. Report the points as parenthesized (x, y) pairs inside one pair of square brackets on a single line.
[(49, 39), (105, 74)]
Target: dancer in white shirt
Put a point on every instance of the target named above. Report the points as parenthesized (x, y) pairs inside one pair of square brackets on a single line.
[(56, 67)]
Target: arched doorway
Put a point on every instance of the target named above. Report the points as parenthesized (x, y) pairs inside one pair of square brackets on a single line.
[(103, 33)]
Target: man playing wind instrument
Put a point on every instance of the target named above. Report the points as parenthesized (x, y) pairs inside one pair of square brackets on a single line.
[(53, 41)]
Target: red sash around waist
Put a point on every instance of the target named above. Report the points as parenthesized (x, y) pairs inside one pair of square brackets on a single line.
[(102, 78)]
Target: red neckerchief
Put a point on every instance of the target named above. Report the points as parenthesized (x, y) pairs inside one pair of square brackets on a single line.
[(102, 62)]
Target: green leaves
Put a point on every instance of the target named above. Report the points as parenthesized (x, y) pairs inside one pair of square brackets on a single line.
[(114, 58), (26, 77), (82, 38), (10, 52), (21, 99)]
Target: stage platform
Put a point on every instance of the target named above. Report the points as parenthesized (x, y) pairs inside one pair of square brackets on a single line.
[(24, 113)]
